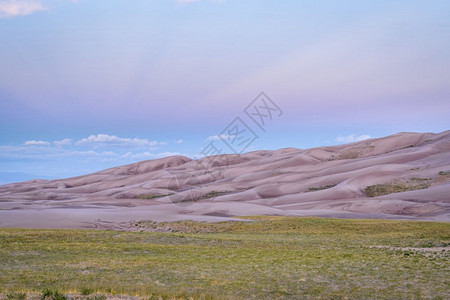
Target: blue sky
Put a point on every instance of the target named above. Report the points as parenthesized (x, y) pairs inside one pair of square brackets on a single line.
[(87, 85)]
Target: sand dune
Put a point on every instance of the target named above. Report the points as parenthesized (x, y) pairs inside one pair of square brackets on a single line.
[(325, 181)]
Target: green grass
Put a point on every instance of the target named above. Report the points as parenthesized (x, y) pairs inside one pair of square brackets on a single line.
[(49, 294), (16, 296), (271, 257), (86, 291)]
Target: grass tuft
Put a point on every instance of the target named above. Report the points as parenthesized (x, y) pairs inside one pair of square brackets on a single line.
[(16, 296), (86, 291), (49, 294)]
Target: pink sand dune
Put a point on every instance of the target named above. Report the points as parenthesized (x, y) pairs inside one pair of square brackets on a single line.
[(325, 181)]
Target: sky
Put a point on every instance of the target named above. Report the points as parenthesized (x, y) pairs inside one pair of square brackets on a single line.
[(87, 85)]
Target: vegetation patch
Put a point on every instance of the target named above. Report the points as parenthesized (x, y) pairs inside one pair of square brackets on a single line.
[(265, 258), (150, 196), (86, 291), (208, 195), (213, 194), (278, 173), (49, 294), (323, 187), (419, 179), (16, 296), (352, 154), (397, 187)]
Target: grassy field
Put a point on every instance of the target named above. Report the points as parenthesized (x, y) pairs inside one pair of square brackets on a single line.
[(273, 257)]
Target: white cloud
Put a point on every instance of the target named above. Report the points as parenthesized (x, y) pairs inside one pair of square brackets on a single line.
[(352, 138), (168, 153), (180, 141), (218, 137), (63, 142), (148, 155), (14, 8), (131, 155), (108, 140), (36, 143), (51, 158)]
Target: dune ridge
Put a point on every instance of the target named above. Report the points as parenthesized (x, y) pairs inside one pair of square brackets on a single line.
[(326, 181)]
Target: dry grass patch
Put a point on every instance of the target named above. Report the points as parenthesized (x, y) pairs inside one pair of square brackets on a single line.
[(150, 196), (415, 183), (323, 187)]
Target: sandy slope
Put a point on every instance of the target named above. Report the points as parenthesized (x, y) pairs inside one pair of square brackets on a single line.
[(255, 183)]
